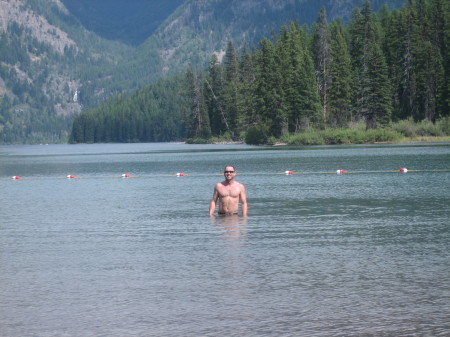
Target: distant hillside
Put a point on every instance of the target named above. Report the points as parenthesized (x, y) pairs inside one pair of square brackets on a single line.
[(199, 28), (54, 64), (130, 22)]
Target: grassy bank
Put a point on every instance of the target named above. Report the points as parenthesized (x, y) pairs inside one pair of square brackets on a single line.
[(356, 133), (402, 131)]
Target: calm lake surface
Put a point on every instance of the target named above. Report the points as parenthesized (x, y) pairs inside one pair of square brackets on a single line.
[(360, 254)]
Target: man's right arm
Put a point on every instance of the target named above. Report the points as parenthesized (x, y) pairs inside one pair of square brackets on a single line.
[(212, 204)]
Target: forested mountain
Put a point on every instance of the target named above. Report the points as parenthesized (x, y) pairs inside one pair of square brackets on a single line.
[(54, 64), (381, 67)]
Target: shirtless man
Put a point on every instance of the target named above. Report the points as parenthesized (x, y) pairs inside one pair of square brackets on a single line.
[(229, 192)]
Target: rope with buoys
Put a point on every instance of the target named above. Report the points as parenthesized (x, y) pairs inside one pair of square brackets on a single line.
[(288, 173), (341, 171)]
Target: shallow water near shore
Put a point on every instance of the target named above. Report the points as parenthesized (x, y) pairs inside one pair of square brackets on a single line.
[(321, 254)]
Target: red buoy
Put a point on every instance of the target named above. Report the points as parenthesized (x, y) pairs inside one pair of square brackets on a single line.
[(125, 175), (289, 173), (340, 171), (70, 176), (180, 174), (403, 170), (15, 178)]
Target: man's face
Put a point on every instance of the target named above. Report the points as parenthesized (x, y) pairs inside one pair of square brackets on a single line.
[(229, 172)]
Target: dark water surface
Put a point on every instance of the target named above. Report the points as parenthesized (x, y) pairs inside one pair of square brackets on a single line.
[(359, 254)]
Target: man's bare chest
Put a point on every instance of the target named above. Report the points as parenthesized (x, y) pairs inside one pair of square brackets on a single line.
[(229, 191)]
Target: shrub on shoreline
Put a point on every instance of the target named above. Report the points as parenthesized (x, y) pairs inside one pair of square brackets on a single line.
[(409, 128), (343, 136), (356, 133)]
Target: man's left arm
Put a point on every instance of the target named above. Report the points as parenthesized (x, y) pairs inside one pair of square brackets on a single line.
[(243, 198)]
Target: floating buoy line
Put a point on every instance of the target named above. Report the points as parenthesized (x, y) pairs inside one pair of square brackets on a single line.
[(402, 170)]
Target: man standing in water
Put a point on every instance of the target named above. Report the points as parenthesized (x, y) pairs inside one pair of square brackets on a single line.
[(229, 192)]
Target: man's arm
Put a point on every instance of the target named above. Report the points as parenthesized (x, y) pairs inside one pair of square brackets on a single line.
[(212, 204), (244, 205)]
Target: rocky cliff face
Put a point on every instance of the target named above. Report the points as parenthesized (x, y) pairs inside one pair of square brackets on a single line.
[(37, 84), (37, 25), (24, 30)]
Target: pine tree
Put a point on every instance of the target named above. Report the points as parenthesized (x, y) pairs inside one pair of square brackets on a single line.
[(89, 129), (266, 95), (310, 104), (446, 56), (440, 16), (230, 91), (408, 87), (358, 46), (396, 48), (340, 91), (77, 132), (370, 73), (246, 81), (322, 60), (197, 120), (432, 59), (378, 94), (214, 83), (294, 95), (283, 80)]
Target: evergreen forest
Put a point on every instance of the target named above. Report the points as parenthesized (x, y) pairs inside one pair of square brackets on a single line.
[(378, 69)]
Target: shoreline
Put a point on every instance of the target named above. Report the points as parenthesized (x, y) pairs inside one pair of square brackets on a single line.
[(421, 139)]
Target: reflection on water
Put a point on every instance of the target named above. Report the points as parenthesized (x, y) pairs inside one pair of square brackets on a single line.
[(232, 227), (360, 254)]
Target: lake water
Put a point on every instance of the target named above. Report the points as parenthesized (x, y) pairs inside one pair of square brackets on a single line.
[(366, 253)]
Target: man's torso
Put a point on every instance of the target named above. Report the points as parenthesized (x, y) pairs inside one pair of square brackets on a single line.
[(229, 197)]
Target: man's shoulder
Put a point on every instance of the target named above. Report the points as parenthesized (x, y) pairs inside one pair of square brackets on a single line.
[(240, 185), (220, 185)]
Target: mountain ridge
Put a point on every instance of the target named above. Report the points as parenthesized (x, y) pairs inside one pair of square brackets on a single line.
[(130, 22)]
